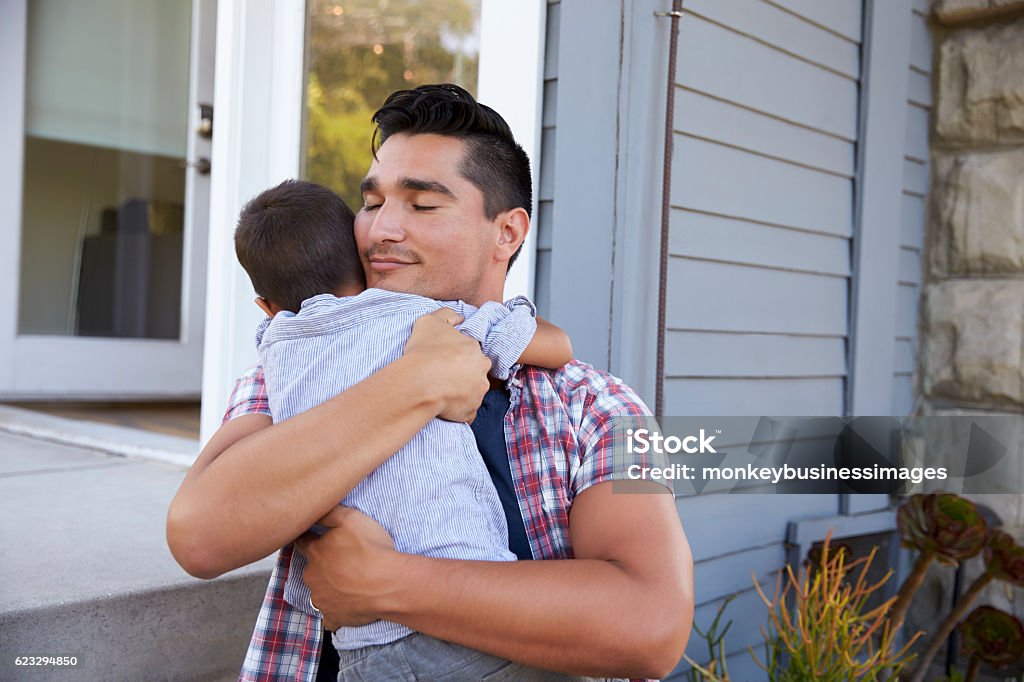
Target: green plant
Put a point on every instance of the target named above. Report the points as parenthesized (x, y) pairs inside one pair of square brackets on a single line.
[(820, 624), (715, 669), (991, 636), (940, 526), (820, 627), (1004, 560)]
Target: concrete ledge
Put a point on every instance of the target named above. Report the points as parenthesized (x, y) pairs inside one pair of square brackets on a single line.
[(192, 632), (86, 571)]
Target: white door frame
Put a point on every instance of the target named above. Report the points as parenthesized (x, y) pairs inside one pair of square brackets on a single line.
[(259, 108), (37, 366), (511, 82)]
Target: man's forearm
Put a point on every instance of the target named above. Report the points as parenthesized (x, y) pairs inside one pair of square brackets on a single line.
[(241, 504), (580, 616), (622, 607)]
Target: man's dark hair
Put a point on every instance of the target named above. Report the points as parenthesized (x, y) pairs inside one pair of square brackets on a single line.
[(494, 162), (296, 241)]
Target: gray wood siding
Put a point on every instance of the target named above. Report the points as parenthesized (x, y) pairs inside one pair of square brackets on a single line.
[(915, 190), (546, 192), (762, 196), (762, 206), (762, 225)]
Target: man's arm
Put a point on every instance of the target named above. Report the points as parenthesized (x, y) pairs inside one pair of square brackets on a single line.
[(257, 486), (622, 607)]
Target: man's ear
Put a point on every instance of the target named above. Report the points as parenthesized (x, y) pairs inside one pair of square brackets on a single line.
[(266, 306), (513, 227)]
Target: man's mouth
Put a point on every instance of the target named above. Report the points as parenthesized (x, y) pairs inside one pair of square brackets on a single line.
[(385, 264)]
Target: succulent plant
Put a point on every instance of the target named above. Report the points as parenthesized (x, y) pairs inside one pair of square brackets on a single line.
[(940, 526), (943, 525), (996, 637), (1004, 560)]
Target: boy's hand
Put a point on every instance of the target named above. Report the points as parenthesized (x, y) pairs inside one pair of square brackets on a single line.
[(452, 362)]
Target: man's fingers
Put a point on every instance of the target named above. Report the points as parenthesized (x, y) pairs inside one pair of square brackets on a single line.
[(331, 519), (448, 315), (303, 542)]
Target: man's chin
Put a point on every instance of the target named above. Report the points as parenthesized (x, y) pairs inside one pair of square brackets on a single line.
[(416, 288), (400, 286)]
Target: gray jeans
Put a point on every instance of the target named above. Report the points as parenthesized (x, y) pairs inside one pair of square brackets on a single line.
[(418, 657)]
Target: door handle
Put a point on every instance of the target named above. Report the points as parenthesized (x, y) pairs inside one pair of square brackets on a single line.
[(205, 127), (202, 165)]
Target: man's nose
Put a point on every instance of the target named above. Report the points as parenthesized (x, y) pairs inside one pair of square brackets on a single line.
[(387, 224)]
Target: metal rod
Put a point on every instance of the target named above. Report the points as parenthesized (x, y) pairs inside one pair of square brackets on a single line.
[(666, 182)]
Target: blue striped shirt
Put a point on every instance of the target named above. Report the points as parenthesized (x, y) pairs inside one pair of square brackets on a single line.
[(434, 496)]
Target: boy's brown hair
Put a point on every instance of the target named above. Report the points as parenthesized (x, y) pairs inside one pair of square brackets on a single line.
[(296, 241)]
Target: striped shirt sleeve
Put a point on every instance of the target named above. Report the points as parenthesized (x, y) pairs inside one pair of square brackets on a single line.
[(503, 330)]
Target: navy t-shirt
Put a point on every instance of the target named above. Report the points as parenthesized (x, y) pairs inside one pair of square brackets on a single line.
[(489, 429)]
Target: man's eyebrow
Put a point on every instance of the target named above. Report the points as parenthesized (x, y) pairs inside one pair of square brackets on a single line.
[(418, 185), (369, 184)]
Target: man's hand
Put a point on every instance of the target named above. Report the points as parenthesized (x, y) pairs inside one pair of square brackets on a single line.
[(345, 566), (282, 477), (458, 368)]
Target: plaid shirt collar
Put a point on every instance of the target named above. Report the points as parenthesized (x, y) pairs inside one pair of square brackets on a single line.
[(560, 442)]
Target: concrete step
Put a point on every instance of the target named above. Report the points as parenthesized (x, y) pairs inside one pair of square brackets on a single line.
[(85, 571)]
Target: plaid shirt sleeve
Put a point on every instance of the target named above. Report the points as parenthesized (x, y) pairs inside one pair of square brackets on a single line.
[(285, 644), (611, 408), (249, 395)]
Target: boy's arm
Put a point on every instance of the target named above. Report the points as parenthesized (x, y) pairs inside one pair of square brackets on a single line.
[(512, 334), (550, 347)]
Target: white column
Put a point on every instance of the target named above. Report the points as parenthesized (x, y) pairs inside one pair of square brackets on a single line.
[(512, 83), (258, 106)]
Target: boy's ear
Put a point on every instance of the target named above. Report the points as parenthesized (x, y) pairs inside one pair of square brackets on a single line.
[(266, 306)]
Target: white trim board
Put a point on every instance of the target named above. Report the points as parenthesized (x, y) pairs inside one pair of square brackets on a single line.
[(511, 81)]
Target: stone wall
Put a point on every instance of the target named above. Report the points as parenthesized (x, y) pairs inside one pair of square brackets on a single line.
[(972, 322)]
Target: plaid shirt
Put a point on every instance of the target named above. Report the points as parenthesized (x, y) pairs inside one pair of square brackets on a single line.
[(561, 441)]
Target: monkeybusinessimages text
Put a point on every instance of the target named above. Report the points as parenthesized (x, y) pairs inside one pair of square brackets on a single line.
[(644, 441)]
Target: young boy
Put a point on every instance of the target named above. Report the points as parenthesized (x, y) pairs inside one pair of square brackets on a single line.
[(325, 332)]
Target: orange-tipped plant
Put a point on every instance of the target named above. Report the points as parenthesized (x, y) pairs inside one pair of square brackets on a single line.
[(820, 627)]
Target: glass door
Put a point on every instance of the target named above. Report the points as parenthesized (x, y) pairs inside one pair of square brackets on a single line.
[(107, 190)]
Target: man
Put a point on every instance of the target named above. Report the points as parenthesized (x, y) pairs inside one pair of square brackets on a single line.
[(446, 209)]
